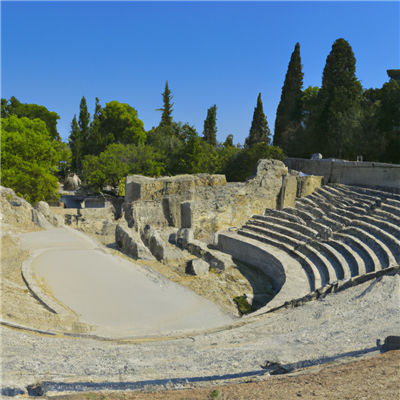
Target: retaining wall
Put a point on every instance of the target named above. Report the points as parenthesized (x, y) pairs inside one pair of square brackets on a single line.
[(372, 174)]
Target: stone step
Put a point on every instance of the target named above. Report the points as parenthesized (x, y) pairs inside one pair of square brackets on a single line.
[(339, 263), (380, 249), (354, 261), (360, 198), (324, 231), (331, 223), (384, 195), (304, 229), (324, 204), (325, 268), (335, 196), (278, 233), (391, 209), (339, 218), (391, 242), (309, 267), (394, 203), (386, 226), (304, 215), (370, 259), (384, 215), (313, 210), (284, 216)]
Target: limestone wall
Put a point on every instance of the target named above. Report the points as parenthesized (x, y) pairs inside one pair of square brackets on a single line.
[(372, 174), (207, 203)]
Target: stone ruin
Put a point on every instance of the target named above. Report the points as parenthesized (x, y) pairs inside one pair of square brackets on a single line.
[(304, 236), (207, 203)]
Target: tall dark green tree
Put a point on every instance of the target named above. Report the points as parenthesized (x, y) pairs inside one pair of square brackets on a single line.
[(166, 117), (76, 146), (83, 122), (95, 141), (210, 126), (334, 121), (289, 113), (259, 131)]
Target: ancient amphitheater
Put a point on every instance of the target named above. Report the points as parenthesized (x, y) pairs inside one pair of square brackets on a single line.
[(88, 307)]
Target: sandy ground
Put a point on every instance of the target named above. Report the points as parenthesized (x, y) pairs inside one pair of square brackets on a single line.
[(117, 297)]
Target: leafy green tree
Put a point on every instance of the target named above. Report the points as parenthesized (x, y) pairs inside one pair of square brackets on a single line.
[(259, 131), (29, 158), (289, 113), (333, 123), (118, 161), (31, 111), (210, 126), (241, 166), (75, 144), (166, 117)]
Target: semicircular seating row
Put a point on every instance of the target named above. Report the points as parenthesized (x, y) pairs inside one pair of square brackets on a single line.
[(335, 233)]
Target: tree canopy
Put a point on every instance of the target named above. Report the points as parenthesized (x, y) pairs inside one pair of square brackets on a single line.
[(29, 158), (31, 111)]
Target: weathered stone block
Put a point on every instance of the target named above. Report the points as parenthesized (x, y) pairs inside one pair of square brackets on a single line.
[(197, 267)]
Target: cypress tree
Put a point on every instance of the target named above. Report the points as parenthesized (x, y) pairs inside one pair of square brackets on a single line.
[(75, 144), (289, 112), (259, 131), (339, 102), (166, 117), (84, 119), (95, 140), (210, 126)]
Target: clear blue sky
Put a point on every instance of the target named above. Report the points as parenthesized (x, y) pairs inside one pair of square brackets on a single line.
[(222, 53)]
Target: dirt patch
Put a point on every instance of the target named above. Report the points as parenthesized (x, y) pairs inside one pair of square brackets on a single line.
[(369, 379)]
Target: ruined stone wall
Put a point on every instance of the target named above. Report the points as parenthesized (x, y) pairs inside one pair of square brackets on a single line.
[(378, 175), (207, 203)]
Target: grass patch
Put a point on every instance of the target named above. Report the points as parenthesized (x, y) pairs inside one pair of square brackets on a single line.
[(242, 304)]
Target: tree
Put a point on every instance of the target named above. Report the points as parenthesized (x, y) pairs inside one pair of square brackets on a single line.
[(118, 161), (75, 144), (259, 131), (119, 123), (289, 113), (166, 117), (83, 122), (210, 126), (95, 141), (29, 158), (31, 111), (242, 164), (333, 122)]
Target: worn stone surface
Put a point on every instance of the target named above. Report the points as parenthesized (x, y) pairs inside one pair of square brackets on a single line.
[(54, 219), (197, 267), (307, 184), (129, 240)]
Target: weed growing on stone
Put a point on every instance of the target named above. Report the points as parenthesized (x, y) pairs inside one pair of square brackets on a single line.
[(243, 305)]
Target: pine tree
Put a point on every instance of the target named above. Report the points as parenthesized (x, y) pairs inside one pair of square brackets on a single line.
[(289, 112), (166, 117), (210, 126), (259, 131), (75, 144), (334, 121)]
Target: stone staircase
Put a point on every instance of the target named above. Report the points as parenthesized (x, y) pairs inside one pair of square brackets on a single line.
[(338, 232)]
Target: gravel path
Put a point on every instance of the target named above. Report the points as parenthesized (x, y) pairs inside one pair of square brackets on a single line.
[(344, 324)]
